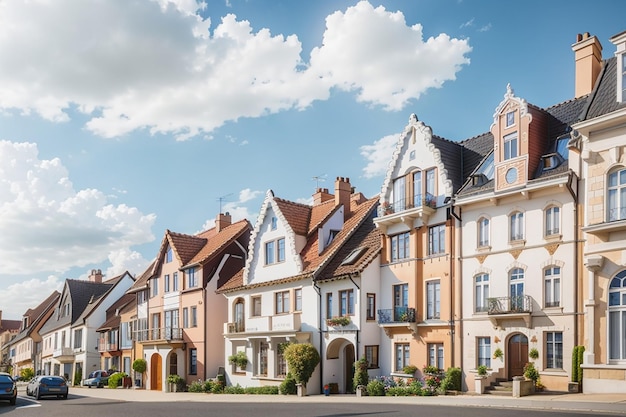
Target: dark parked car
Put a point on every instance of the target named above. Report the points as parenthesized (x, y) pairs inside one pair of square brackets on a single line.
[(8, 388), (47, 385), (97, 379)]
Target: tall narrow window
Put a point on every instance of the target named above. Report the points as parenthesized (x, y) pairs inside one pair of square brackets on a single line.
[(193, 361), (437, 239), (616, 195), (431, 197), (192, 280), (433, 299), (484, 352), (371, 306), (617, 317), (280, 250), (154, 284), (298, 299), (483, 232), (185, 317), (346, 300), (418, 192), (274, 223), (166, 282), (175, 282), (194, 316), (552, 286), (553, 221), (400, 246), (282, 302), (400, 301), (510, 119), (510, 146), (481, 285), (329, 305), (256, 306), (435, 355), (516, 226), (554, 350), (403, 356), (239, 316), (371, 354), (168, 254), (516, 289), (399, 197), (269, 252), (263, 349)]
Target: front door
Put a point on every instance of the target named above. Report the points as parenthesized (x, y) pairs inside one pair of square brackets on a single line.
[(349, 368), (517, 355), (155, 372)]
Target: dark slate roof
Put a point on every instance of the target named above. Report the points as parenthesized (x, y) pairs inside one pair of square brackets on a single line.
[(36, 314), (451, 158), (475, 150), (604, 97)]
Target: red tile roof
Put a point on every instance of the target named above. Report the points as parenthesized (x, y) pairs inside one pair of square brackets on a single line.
[(296, 214), (219, 240)]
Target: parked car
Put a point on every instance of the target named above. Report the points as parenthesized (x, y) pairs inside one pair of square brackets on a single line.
[(97, 379), (47, 385), (8, 388)]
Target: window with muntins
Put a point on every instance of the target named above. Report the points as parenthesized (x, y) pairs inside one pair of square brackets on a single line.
[(554, 350), (399, 194), (154, 286), (329, 305), (166, 281), (516, 289), (371, 354), (435, 355), (433, 299), (193, 361), (553, 221), (552, 286), (168, 254), (516, 228), (282, 302), (484, 352), (483, 232), (616, 195), (192, 280), (346, 302), (617, 317), (510, 146), (298, 299), (400, 246), (481, 293), (371, 306), (437, 239), (256, 306), (403, 356), (263, 350)]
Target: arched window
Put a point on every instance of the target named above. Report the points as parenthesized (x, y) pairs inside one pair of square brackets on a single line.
[(617, 317), (616, 195), (483, 232), (239, 316)]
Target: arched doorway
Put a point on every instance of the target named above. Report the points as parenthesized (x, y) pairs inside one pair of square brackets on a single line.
[(348, 355), (156, 383), (517, 354)]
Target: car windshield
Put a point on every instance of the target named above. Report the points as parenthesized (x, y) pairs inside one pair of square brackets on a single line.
[(52, 381), (5, 379)]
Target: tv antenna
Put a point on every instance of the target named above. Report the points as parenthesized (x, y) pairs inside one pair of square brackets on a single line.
[(222, 199), (318, 179)]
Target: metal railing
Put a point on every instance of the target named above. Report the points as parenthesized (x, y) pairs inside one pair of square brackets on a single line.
[(397, 315), (508, 305), (162, 333), (421, 200)]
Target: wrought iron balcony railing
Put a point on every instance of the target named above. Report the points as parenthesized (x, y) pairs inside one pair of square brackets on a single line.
[(421, 200), (162, 333), (509, 305), (397, 315)]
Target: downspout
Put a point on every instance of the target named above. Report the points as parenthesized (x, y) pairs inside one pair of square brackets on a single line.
[(577, 239), (319, 329), (356, 355), (458, 300)]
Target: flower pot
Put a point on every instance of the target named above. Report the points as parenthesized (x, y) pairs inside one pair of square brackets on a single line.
[(326, 391)]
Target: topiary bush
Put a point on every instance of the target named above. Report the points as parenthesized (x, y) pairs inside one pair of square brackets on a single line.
[(361, 377), (302, 359), (452, 380), (288, 386)]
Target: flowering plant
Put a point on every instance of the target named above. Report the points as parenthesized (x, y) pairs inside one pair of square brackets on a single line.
[(338, 321), (430, 369)]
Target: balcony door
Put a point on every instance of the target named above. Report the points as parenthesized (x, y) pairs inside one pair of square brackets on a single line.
[(239, 316), (400, 301), (516, 286), (517, 354)]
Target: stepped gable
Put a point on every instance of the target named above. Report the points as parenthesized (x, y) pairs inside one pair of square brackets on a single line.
[(296, 214), (218, 241)]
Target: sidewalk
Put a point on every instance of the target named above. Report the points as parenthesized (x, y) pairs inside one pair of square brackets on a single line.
[(605, 403)]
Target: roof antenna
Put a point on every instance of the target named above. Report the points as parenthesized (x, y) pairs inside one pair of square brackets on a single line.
[(223, 198), (318, 179)]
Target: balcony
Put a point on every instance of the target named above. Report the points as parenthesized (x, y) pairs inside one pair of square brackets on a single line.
[(104, 346), (500, 309), (406, 210), (64, 354), (266, 324), (162, 335), (397, 317)]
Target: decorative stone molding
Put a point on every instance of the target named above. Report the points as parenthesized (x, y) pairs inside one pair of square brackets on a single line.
[(551, 248), (481, 258), (515, 253), (594, 262)]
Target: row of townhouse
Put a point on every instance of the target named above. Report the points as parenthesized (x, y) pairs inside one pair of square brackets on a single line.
[(510, 241)]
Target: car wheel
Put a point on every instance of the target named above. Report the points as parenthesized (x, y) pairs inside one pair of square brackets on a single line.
[(37, 394), (65, 397), (27, 392), (13, 401), (89, 386)]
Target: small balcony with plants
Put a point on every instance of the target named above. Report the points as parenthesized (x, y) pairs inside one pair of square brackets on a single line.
[(406, 209), (500, 309), (398, 317)]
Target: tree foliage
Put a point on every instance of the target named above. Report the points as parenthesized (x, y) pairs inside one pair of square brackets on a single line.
[(302, 358), (140, 365)]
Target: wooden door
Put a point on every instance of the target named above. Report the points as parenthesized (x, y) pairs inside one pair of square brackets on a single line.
[(349, 368), (156, 382), (517, 355)]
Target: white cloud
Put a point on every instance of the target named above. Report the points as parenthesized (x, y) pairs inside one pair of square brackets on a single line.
[(27, 294), (467, 24), (378, 155), (125, 259), (49, 226), (237, 209), (156, 65), (247, 195), (374, 52), (485, 28)]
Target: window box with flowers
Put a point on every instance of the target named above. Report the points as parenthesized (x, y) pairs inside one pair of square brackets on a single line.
[(338, 321), (387, 208)]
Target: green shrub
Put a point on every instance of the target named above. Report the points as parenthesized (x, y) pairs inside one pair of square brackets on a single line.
[(397, 392), (302, 359), (218, 387), (581, 353), (375, 388), (452, 380), (531, 372), (115, 380), (288, 386), (409, 369), (208, 385), (266, 390), (27, 374), (234, 389), (140, 365), (78, 376), (577, 360), (361, 377), (197, 386)]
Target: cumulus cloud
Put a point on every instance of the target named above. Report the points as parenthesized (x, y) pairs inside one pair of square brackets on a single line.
[(52, 227), (237, 209), (28, 294), (159, 66), (378, 155)]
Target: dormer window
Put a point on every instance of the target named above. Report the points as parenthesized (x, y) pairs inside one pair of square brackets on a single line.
[(354, 256), (551, 161), (331, 237), (510, 146), (478, 180)]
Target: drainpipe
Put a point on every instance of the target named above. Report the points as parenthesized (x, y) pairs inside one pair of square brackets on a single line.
[(358, 331), (577, 239), (458, 300), (318, 290)]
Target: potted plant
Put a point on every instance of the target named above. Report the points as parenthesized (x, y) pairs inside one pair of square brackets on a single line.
[(409, 369), (498, 354), (338, 321), (176, 383), (533, 353), (140, 365), (480, 379), (482, 370), (430, 370), (239, 359)]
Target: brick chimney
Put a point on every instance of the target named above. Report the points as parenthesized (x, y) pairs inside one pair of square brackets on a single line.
[(343, 189), (96, 276), (588, 59), (222, 221), (321, 195)]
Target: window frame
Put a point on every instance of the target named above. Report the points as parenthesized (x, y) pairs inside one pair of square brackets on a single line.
[(372, 356), (297, 299), (274, 251), (193, 361), (370, 306), (329, 305), (437, 240), (552, 221), (510, 146), (552, 286), (617, 313), (283, 296), (402, 356), (436, 355), (480, 288), (616, 209), (483, 351), (255, 301), (554, 350), (192, 280), (516, 226), (346, 302), (433, 306), (400, 246), (154, 287), (484, 232)]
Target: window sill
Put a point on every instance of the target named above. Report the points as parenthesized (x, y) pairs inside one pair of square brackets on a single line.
[(483, 249), (553, 238), (517, 243)]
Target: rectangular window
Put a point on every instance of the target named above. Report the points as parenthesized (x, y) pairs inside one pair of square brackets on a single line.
[(168, 254), (256, 306), (433, 299), (280, 250), (282, 302), (481, 293), (194, 316), (175, 282), (125, 336), (298, 299), (154, 285), (552, 286), (193, 361), (483, 232), (274, 223), (517, 226), (346, 300), (156, 326), (78, 338), (553, 220), (400, 246), (269, 253), (166, 283), (435, 355), (371, 354), (192, 281), (403, 357), (400, 301), (418, 192), (484, 352), (510, 119), (185, 317), (281, 364), (510, 146), (329, 305), (554, 350), (263, 349), (399, 197), (437, 239), (431, 196), (371, 306)]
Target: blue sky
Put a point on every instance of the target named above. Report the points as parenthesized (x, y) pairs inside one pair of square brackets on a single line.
[(121, 119)]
